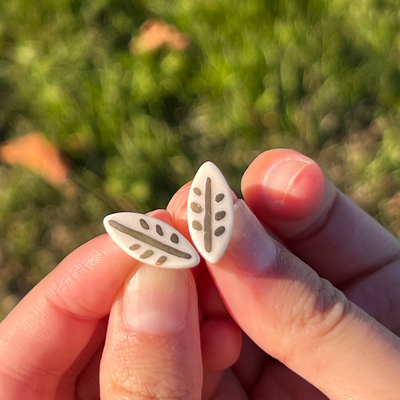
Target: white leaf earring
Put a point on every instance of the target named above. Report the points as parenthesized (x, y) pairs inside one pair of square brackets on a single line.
[(210, 212), (150, 240)]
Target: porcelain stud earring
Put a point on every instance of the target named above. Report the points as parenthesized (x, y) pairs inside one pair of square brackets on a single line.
[(150, 240), (210, 212)]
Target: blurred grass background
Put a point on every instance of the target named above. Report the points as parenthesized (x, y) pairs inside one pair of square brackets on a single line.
[(134, 125)]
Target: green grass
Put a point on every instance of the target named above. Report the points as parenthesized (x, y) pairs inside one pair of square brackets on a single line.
[(320, 77)]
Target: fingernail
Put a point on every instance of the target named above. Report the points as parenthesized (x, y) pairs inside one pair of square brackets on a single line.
[(281, 178), (250, 247), (156, 300)]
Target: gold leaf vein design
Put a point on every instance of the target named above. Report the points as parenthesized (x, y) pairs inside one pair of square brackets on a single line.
[(206, 227), (150, 241)]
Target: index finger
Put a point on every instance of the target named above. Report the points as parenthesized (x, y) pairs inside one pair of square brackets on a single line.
[(44, 335), (287, 192), (294, 315)]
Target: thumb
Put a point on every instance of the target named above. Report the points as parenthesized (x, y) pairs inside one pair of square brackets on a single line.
[(296, 316), (301, 319), (152, 350)]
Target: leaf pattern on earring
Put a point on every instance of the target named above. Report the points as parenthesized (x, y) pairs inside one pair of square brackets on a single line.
[(150, 240), (210, 212)]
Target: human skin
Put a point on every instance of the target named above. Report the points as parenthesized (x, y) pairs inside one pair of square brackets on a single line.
[(321, 300), (80, 333), (68, 338)]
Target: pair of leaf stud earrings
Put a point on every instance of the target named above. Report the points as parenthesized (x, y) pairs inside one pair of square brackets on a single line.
[(210, 219)]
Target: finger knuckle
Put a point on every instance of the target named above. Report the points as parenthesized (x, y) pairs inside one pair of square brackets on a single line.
[(322, 310), (316, 311)]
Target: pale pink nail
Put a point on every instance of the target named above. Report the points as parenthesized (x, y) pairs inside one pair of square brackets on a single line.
[(156, 300)]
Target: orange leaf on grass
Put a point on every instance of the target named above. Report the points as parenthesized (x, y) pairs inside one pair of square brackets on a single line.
[(35, 152), (156, 33)]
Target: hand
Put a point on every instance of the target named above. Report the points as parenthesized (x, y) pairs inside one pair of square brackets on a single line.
[(52, 343), (322, 299), (101, 327)]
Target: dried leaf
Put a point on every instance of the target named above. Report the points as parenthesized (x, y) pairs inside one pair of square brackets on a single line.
[(155, 34), (34, 152)]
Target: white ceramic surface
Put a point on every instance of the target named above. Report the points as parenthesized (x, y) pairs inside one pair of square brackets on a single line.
[(150, 240), (210, 212)]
